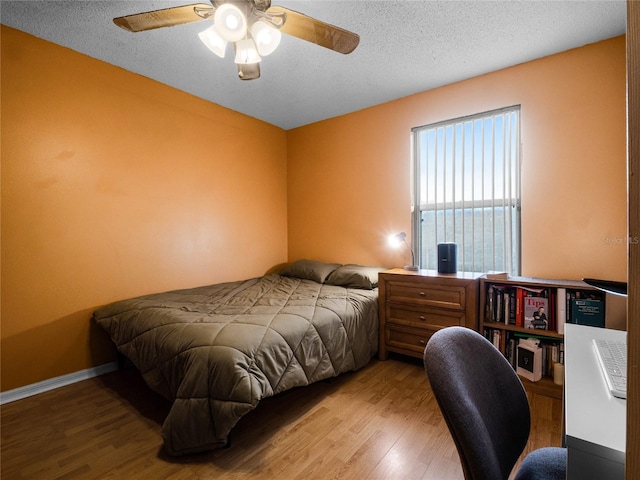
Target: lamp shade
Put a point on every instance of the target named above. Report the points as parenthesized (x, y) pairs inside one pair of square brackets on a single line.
[(397, 239), (267, 38), (214, 42), (246, 52), (230, 22)]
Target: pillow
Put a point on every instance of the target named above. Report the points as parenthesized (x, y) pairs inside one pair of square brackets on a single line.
[(355, 276), (309, 270)]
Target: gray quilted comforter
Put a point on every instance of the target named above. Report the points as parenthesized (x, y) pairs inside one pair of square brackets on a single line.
[(216, 351)]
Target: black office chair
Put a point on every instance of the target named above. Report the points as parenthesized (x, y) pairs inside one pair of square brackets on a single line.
[(486, 408)]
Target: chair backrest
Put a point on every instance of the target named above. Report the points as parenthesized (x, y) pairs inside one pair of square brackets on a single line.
[(482, 400)]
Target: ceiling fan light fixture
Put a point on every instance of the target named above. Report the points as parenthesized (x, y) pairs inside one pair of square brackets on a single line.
[(266, 37), (213, 41), (253, 27), (230, 22), (246, 52)]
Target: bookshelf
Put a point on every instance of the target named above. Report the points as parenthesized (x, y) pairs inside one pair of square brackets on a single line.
[(508, 304)]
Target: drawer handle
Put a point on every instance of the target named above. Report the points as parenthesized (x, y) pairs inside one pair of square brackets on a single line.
[(422, 294), (421, 317), (422, 342)]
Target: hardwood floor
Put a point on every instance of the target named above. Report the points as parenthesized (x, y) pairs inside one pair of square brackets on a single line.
[(381, 422)]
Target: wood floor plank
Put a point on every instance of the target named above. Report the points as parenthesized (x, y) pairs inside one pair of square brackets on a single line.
[(381, 422)]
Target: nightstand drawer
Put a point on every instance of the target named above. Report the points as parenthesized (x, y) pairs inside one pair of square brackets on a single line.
[(410, 340), (429, 295), (424, 318), (414, 305)]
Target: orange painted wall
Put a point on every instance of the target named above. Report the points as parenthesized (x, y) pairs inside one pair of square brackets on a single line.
[(114, 185), (349, 176)]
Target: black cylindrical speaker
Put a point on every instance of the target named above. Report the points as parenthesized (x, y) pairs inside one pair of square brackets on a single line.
[(447, 258)]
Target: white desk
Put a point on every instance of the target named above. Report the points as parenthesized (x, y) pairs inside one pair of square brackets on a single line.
[(595, 421)]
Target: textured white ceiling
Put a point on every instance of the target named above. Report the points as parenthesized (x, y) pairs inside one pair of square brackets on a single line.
[(406, 46)]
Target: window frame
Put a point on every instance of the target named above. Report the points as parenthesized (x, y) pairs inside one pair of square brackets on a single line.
[(513, 203)]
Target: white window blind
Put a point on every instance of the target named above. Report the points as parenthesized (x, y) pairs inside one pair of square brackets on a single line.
[(466, 190)]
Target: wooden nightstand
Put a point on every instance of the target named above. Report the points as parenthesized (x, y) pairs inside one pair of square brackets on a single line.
[(414, 305)]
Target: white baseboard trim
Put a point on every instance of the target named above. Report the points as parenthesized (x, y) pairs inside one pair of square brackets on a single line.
[(57, 382)]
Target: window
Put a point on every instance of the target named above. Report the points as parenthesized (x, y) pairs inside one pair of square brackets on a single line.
[(466, 190)]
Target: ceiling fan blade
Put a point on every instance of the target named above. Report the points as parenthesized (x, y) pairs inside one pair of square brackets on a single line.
[(167, 17), (315, 31), (248, 71)]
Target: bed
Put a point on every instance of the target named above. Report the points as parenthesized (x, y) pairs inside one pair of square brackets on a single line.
[(216, 351)]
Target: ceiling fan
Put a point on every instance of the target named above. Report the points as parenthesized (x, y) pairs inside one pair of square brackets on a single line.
[(254, 28)]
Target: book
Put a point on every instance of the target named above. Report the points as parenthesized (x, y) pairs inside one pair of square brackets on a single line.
[(535, 313), (497, 303), (561, 312), (492, 275), (505, 341), (512, 307), (588, 311), (510, 348), (579, 295), (520, 294), (501, 304), (553, 309), (523, 292), (489, 306)]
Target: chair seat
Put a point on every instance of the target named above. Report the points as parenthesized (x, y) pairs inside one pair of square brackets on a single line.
[(548, 463)]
